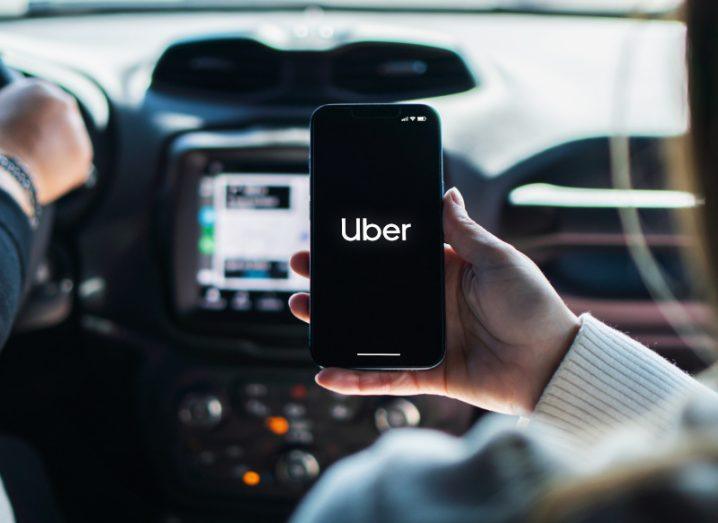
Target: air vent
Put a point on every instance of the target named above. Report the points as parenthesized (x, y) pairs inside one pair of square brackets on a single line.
[(395, 71), (563, 212), (232, 66)]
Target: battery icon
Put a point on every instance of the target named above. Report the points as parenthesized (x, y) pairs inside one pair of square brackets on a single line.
[(421, 118)]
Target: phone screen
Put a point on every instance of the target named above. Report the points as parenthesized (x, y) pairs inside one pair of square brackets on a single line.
[(377, 258)]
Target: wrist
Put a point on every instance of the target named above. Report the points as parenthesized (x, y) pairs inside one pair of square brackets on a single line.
[(27, 160), (550, 359), (18, 183), (12, 187)]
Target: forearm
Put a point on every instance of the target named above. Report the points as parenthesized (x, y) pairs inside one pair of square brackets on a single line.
[(15, 241), (607, 380)]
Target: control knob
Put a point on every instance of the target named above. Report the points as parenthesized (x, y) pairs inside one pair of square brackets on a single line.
[(200, 411), (395, 414), (297, 467)]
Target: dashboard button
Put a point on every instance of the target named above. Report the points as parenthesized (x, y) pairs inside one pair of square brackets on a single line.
[(255, 389), (233, 451), (299, 437), (298, 391), (206, 458), (257, 408), (295, 410), (341, 412)]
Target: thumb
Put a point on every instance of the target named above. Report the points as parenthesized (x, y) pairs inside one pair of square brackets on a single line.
[(469, 240)]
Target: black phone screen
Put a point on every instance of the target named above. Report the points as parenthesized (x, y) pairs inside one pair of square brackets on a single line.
[(377, 258)]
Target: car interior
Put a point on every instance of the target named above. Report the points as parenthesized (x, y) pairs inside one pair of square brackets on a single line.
[(155, 366)]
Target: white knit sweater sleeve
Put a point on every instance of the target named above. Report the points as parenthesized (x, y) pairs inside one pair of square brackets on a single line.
[(496, 472), (608, 381)]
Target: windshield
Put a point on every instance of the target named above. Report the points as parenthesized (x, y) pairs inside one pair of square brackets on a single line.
[(617, 7)]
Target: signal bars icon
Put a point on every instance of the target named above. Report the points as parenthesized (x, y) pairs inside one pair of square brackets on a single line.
[(414, 118)]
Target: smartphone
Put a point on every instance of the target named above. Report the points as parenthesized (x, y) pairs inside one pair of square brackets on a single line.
[(377, 247)]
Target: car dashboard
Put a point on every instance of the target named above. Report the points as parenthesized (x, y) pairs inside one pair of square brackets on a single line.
[(170, 267)]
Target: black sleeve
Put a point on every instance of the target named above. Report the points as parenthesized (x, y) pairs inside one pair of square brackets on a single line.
[(15, 243)]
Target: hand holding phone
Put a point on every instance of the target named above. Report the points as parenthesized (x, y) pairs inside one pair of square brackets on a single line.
[(506, 328)]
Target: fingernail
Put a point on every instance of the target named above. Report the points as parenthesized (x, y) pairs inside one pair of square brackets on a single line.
[(456, 197)]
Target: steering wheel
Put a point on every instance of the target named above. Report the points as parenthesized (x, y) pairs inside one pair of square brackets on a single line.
[(41, 237)]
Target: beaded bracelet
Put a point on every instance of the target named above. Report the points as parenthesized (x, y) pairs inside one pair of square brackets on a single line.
[(18, 171)]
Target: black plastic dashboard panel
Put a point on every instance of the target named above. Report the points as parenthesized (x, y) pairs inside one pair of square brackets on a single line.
[(246, 69)]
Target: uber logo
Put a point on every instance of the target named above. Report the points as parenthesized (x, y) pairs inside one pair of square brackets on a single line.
[(370, 232)]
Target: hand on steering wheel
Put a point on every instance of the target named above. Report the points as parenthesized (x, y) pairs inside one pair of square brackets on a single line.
[(41, 125)]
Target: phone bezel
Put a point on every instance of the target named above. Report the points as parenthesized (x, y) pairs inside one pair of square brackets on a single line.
[(379, 111)]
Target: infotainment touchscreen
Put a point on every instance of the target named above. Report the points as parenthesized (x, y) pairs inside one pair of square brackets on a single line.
[(249, 226)]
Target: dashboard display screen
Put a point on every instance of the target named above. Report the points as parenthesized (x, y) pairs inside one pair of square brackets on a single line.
[(249, 226)]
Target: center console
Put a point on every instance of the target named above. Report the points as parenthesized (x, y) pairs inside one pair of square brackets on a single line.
[(269, 433), (244, 425)]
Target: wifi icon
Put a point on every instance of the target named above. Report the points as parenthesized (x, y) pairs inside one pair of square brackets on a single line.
[(412, 118)]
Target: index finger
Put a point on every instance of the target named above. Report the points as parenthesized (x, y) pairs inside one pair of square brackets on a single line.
[(299, 263), (363, 383)]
